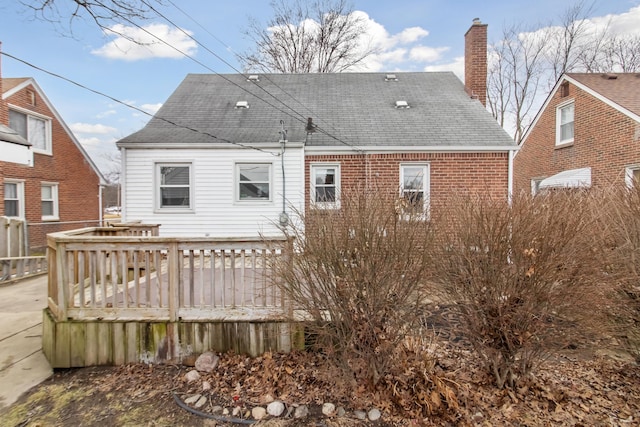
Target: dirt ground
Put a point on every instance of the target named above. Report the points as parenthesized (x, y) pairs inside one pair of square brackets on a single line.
[(579, 388)]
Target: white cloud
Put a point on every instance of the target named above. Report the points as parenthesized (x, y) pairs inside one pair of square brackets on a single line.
[(426, 53), (395, 52), (151, 108), (105, 114), (90, 142), (457, 66), (624, 23), (133, 43), (92, 129)]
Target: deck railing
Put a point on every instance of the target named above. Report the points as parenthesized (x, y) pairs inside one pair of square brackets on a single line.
[(129, 272)]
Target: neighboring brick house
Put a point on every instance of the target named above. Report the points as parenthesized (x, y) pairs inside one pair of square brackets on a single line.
[(587, 133), (215, 160), (47, 177)]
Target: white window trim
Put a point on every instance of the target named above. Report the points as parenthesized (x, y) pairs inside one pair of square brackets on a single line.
[(426, 185), (236, 183), (535, 185), (628, 175), (20, 191), (559, 109), (55, 199), (157, 197), (312, 185), (47, 126)]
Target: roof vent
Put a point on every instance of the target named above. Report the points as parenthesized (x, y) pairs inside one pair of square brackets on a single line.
[(402, 104), (609, 76), (391, 78), (242, 104), (253, 78)]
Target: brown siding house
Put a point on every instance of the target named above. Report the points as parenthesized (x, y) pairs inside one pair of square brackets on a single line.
[(586, 134), (53, 184)]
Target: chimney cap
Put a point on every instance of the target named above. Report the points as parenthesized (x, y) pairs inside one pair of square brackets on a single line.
[(476, 21)]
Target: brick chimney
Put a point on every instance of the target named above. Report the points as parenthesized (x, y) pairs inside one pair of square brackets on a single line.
[(475, 61), (4, 108)]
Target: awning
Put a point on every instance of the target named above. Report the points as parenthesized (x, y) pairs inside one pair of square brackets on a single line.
[(573, 178), (9, 135)]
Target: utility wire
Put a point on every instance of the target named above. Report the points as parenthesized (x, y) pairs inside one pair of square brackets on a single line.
[(321, 130), (133, 107)]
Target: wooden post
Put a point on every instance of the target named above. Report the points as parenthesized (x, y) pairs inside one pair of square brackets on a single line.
[(174, 280), (61, 278)]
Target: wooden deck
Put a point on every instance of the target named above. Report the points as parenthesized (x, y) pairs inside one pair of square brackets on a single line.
[(124, 294)]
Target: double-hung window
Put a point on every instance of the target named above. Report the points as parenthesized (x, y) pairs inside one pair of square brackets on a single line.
[(414, 188), (253, 181), (35, 129), (14, 199), (175, 190), (325, 186), (565, 123), (49, 198)]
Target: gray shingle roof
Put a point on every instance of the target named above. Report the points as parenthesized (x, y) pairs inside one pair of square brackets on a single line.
[(355, 109)]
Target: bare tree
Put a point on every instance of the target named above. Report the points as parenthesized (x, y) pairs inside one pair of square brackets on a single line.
[(103, 12), (525, 65), (302, 37)]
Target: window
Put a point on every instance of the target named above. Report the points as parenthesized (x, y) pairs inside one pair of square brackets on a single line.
[(535, 185), (325, 186), (632, 176), (564, 123), (254, 181), (414, 188), (49, 197), (14, 199), (36, 130), (174, 186)]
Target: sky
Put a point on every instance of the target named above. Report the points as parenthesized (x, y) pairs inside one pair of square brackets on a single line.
[(411, 35)]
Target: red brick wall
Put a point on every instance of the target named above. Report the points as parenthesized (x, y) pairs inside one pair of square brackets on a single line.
[(450, 173), (604, 139), (78, 184), (475, 61)]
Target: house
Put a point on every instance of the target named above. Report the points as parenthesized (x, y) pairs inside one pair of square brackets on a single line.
[(587, 133), (231, 155), (47, 177)]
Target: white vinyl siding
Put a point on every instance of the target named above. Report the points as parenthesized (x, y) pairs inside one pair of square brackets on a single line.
[(215, 211), (565, 123), (35, 129)]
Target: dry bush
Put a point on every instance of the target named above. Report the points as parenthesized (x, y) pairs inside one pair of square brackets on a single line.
[(622, 227), (359, 273), (523, 276)]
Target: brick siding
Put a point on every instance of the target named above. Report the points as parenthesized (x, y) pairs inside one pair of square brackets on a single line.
[(604, 139), (78, 184), (450, 173)]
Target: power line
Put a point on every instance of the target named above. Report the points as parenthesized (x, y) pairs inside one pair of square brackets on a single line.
[(133, 107), (303, 118)]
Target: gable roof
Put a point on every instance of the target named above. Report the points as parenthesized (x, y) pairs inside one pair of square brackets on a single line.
[(11, 86), (621, 92), (349, 109), (622, 89)]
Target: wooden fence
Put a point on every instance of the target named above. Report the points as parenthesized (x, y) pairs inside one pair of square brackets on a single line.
[(130, 275), (16, 268)]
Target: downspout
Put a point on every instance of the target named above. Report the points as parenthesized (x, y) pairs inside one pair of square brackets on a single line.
[(284, 218), (510, 177), (100, 209)]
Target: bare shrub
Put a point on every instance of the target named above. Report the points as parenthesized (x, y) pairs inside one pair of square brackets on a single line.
[(522, 276), (622, 227), (359, 275)]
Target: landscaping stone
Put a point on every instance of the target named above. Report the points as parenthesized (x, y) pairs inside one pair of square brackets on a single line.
[(329, 409), (192, 376), (275, 408), (374, 414), (301, 411), (258, 413), (207, 362)]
